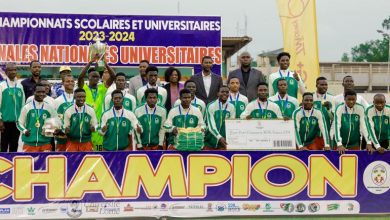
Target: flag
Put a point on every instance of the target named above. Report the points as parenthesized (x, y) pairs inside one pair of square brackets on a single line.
[(299, 27)]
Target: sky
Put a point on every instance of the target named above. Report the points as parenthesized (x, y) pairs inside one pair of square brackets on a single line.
[(341, 24)]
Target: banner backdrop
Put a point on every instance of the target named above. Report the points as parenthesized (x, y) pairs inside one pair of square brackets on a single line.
[(299, 27), (94, 185), (58, 39)]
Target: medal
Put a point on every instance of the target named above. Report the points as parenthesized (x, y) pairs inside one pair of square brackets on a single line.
[(81, 117), (261, 110), (38, 114)]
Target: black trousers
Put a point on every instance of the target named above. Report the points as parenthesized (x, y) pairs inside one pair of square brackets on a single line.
[(10, 137)]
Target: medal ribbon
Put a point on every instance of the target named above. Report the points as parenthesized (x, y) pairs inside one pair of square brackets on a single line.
[(185, 118), (38, 113), (262, 112)]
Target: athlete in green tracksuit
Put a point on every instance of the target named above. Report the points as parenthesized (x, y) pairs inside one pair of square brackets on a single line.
[(262, 108), (286, 103), (61, 103), (217, 112), (32, 119), (308, 123), (199, 103), (294, 81), (117, 125), (152, 76), (238, 100), (11, 103), (349, 122), (378, 121), (129, 101), (183, 116), (152, 118)]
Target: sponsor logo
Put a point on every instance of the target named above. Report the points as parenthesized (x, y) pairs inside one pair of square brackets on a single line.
[(47, 210), (128, 208), (268, 208), (18, 210), (30, 211), (287, 207), (220, 207), (5, 211), (251, 207), (196, 206), (376, 177), (232, 207), (163, 207), (333, 207), (209, 207), (313, 207), (63, 209), (300, 207), (110, 208), (176, 206), (74, 210), (350, 207)]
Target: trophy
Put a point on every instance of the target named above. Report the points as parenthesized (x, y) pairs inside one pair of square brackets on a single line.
[(98, 48), (50, 126)]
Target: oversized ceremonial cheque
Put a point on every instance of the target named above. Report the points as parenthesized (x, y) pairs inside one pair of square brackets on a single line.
[(260, 134), (57, 39), (88, 185)]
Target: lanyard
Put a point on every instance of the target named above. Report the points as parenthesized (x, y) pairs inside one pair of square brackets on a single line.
[(9, 88), (194, 101), (150, 117), (261, 110), (281, 75), (223, 114), (350, 122), (380, 122), (38, 113), (237, 97), (185, 118), (118, 122), (283, 103), (81, 117), (66, 100), (307, 122)]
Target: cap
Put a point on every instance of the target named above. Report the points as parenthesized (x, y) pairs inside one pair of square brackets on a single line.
[(63, 68)]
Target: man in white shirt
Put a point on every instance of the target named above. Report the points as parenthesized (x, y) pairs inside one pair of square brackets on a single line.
[(207, 82)]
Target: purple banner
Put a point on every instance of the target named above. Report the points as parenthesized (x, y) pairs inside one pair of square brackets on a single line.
[(192, 184), (57, 39)]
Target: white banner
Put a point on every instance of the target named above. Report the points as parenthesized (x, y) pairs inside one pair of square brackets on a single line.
[(260, 135)]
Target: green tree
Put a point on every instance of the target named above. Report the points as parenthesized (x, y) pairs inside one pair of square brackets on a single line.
[(345, 57), (373, 50)]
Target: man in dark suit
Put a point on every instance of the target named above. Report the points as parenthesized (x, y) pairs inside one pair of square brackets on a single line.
[(207, 82), (249, 77)]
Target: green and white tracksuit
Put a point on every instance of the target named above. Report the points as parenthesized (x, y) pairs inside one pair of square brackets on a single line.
[(349, 124), (217, 113), (262, 110), (293, 84), (239, 102), (183, 118), (120, 124), (199, 103), (308, 124), (61, 103), (152, 121), (47, 99), (319, 100), (162, 95), (287, 104), (80, 120), (378, 123), (11, 100), (129, 101), (32, 118)]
